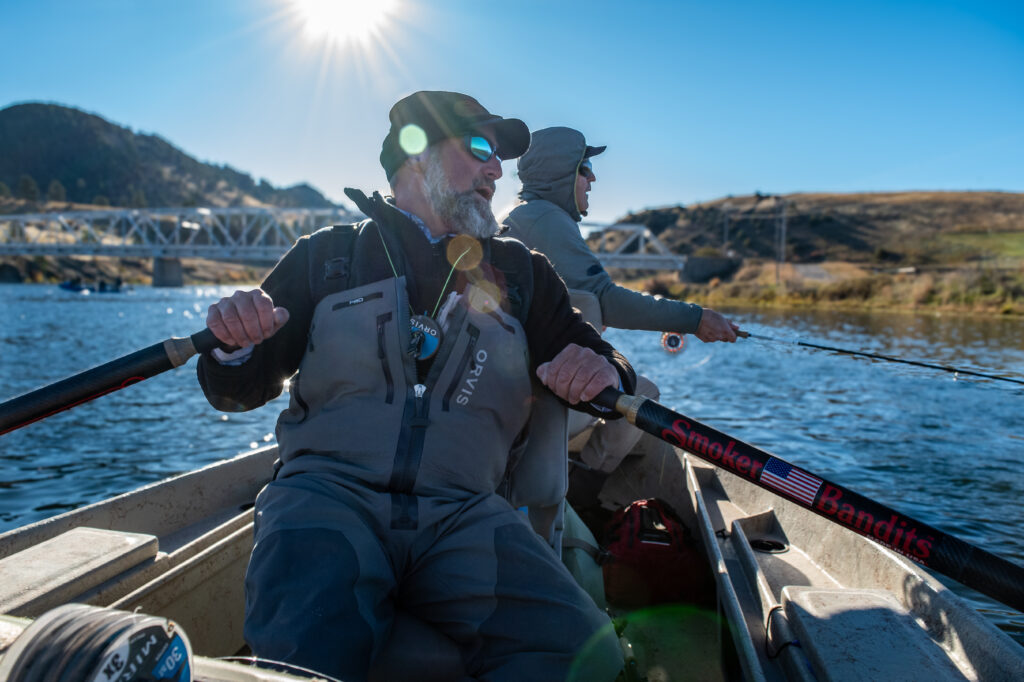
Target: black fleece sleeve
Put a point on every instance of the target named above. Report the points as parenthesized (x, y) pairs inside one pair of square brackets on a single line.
[(261, 377), (553, 323)]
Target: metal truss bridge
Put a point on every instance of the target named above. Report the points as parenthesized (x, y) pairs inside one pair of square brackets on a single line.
[(638, 250), (252, 234), (241, 234)]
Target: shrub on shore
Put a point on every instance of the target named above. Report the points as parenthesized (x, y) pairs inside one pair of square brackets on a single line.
[(975, 290)]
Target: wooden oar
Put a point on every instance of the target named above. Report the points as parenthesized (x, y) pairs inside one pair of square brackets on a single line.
[(99, 381), (981, 570)]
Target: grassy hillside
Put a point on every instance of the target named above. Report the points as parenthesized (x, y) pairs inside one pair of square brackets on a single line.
[(842, 285), (65, 154), (925, 251), (899, 229)]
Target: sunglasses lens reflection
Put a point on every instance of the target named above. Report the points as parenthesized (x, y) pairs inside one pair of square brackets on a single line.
[(480, 148)]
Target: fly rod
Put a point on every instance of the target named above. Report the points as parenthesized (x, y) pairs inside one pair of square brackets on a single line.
[(99, 381), (878, 356), (983, 571)]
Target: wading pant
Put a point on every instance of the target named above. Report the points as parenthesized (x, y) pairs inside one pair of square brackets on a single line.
[(327, 572)]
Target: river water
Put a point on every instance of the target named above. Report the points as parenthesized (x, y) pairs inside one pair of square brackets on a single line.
[(946, 450)]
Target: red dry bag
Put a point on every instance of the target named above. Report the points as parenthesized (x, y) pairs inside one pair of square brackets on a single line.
[(649, 556)]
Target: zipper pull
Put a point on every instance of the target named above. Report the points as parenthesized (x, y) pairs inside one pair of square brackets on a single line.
[(419, 419)]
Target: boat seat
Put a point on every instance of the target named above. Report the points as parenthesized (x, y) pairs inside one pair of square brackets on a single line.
[(60, 569), (580, 423), (589, 306), (848, 634), (539, 477)]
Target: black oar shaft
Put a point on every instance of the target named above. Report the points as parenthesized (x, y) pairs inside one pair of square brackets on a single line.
[(981, 570), (879, 356), (101, 380)]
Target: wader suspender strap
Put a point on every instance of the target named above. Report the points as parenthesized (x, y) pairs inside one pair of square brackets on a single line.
[(330, 259), (518, 276), (519, 280), (330, 268), (596, 553)]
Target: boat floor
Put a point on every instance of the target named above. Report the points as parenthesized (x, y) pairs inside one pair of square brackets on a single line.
[(669, 639)]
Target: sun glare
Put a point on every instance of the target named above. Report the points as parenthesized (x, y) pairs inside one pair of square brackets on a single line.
[(342, 21)]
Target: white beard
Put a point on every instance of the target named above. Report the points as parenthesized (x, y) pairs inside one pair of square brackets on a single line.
[(460, 212)]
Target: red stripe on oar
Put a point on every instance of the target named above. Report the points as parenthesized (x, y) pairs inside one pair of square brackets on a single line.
[(127, 382)]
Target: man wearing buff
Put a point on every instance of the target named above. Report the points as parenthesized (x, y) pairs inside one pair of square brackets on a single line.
[(414, 348)]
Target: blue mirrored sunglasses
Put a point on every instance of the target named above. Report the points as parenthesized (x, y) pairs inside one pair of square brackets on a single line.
[(586, 167), (480, 148)]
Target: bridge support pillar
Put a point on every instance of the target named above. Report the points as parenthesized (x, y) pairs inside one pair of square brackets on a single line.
[(167, 272)]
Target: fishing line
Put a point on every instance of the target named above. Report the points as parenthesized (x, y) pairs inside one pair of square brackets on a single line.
[(703, 361), (879, 356), (278, 666)]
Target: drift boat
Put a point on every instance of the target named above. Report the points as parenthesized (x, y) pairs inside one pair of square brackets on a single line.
[(791, 588), (795, 596)]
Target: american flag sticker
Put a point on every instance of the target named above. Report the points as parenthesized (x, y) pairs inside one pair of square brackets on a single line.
[(790, 481)]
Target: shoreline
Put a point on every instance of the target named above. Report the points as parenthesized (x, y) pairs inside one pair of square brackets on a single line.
[(133, 271), (975, 290), (966, 290)]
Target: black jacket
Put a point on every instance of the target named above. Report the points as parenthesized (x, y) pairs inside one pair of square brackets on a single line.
[(550, 324)]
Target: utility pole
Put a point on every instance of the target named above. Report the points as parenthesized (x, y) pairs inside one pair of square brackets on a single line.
[(780, 241), (778, 231), (725, 229)]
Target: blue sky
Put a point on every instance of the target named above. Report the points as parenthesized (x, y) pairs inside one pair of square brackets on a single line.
[(695, 100)]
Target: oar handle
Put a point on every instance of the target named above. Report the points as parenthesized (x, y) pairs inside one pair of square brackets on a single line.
[(204, 341), (99, 381), (988, 573), (623, 403)]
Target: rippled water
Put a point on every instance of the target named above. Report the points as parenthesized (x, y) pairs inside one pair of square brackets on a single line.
[(121, 441), (947, 451)]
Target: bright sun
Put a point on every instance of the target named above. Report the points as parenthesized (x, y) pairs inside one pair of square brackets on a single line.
[(342, 21)]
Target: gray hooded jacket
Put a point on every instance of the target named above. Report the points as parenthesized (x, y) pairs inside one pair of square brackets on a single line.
[(546, 220)]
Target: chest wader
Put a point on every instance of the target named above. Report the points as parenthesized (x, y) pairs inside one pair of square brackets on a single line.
[(395, 478), (536, 475), (359, 410)]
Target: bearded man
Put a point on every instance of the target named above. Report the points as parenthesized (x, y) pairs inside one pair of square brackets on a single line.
[(415, 334)]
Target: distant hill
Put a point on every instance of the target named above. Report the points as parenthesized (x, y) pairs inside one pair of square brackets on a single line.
[(904, 228), (96, 161)]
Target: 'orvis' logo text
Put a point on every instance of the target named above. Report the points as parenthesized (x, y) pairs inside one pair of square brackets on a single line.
[(469, 385)]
